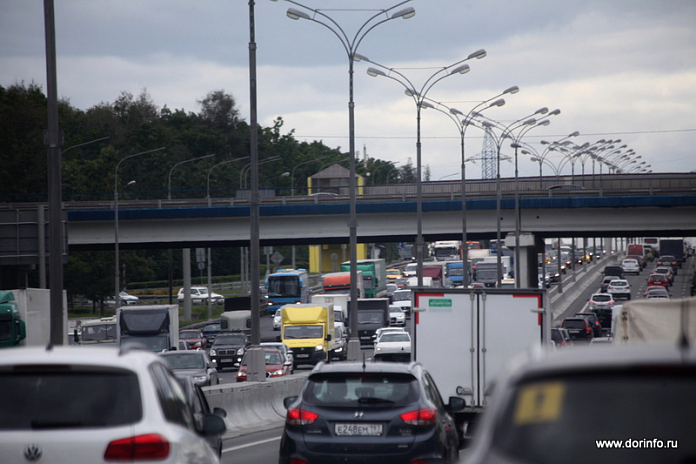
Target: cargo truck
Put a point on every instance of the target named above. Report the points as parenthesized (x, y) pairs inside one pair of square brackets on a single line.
[(464, 336), (307, 329), (655, 321), (374, 273), (25, 317), (339, 282), (673, 247), (152, 327), (373, 314)]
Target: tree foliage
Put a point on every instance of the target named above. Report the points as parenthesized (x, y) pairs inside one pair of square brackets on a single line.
[(135, 124)]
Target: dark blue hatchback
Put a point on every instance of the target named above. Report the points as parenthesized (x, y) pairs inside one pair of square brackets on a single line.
[(367, 413)]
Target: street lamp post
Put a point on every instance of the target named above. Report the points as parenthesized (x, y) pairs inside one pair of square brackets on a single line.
[(351, 47), (207, 185), (419, 98), (169, 177), (117, 283), (292, 178), (462, 124), (506, 132)]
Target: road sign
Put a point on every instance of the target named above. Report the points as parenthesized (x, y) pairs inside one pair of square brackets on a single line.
[(277, 258)]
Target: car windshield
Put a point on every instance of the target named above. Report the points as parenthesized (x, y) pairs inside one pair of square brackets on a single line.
[(229, 340), (619, 283), (353, 389), (402, 296), (36, 398), (211, 328), (303, 331), (189, 334), (184, 361), (369, 317), (550, 420)]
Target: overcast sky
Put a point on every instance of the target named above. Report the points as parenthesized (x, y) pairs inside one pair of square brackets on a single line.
[(617, 69)]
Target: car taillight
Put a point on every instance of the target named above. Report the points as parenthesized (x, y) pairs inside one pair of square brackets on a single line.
[(143, 447), (298, 416), (588, 329), (419, 417)]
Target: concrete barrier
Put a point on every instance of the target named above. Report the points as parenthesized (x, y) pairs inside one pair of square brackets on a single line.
[(253, 406), (583, 279)]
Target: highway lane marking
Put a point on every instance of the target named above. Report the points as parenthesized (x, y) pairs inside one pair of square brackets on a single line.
[(235, 448)]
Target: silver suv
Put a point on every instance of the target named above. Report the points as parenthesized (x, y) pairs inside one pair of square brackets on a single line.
[(87, 405)]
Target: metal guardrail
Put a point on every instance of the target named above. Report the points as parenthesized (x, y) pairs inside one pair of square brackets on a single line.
[(589, 185)]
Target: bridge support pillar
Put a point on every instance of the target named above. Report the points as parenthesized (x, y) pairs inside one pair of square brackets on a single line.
[(530, 245)]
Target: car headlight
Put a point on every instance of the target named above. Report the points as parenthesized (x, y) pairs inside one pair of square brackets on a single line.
[(318, 347), (241, 374), (240, 351), (277, 373), (378, 348), (200, 378), (212, 352)]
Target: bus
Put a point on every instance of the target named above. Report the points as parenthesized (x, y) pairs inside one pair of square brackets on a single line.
[(447, 250), (287, 286), (101, 331)]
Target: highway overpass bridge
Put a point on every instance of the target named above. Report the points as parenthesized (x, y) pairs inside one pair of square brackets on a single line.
[(660, 205), (608, 206)]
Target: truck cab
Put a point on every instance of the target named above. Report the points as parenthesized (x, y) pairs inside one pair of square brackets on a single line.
[(12, 328), (307, 329)]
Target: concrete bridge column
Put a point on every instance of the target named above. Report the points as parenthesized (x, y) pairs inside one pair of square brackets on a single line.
[(530, 245)]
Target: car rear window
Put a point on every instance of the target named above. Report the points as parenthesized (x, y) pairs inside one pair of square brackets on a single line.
[(39, 398), (552, 419), (363, 388), (602, 298), (574, 324)]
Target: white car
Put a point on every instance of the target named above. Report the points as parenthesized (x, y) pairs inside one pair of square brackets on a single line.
[(384, 330), (402, 298), (396, 316), (619, 288), (631, 266), (128, 299), (87, 405), (393, 342), (199, 295), (277, 319)]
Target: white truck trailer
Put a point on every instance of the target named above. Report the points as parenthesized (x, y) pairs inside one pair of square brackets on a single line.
[(655, 321), (154, 327), (464, 336)]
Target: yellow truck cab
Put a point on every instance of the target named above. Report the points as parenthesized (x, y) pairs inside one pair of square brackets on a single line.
[(307, 329)]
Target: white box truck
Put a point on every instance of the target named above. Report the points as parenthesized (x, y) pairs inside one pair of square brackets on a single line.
[(153, 327), (464, 336)]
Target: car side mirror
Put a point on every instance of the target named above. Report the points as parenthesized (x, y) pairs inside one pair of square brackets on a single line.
[(287, 402), (213, 425), (456, 404), (328, 338)]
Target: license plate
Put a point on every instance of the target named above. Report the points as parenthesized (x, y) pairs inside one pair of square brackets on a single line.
[(363, 430), (302, 355), (574, 331), (226, 360)]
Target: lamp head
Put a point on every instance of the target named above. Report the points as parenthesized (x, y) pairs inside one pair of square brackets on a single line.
[(463, 69), (511, 90), (543, 110), (374, 72), (296, 14), (406, 13), (499, 102), (574, 134), (359, 57), (455, 111), (478, 54), (425, 104), (555, 112)]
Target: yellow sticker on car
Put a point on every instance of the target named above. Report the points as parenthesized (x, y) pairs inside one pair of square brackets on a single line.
[(539, 402)]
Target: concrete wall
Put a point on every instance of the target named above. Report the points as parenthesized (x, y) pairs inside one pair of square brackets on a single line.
[(253, 406)]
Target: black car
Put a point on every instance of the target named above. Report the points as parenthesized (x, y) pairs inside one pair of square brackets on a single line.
[(210, 331), (594, 322), (367, 413), (579, 328), (605, 317), (614, 271), (228, 348)]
